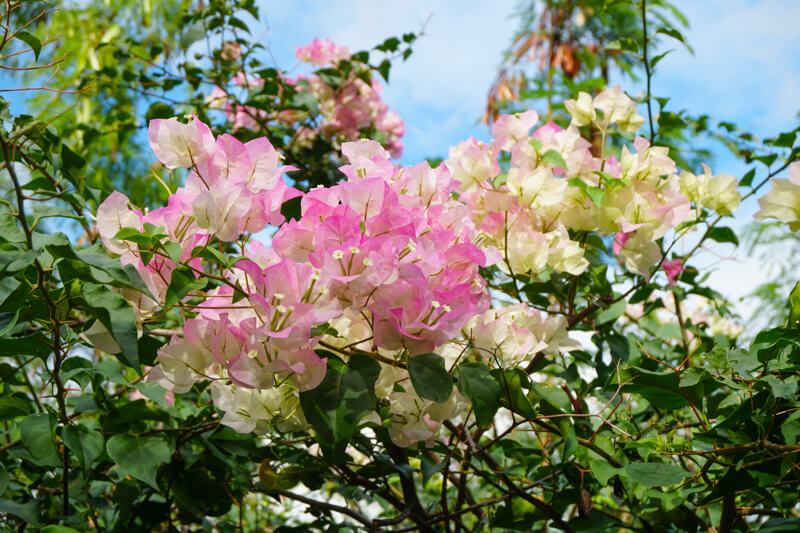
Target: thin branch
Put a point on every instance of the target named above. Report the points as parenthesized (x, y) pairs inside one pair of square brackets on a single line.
[(322, 505), (647, 70)]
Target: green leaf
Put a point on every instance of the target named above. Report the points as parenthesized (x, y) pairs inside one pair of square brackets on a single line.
[(675, 34), (214, 255), (785, 140), (29, 512), (655, 474), (430, 378), (12, 407), (389, 45), (602, 470), (237, 23), (552, 395), (173, 250), (336, 406), (51, 211), (619, 346), (118, 318), (30, 40), (476, 383), (122, 276), (290, 209), (692, 376), (384, 68), (659, 389), (7, 288), (182, 283), (780, 525), (554, 158), (139, 457), (38, 437), (611, 313), (324, 329), (626, 43), (133, 235), (794, 306), (3, 479), (10, 231), (747, 179), (34, 344), (12, 261), (202, 492), (766, 159), (70, 159), (58, 529), (154, 392), (193, 33), (595, 193), (84, 443), (511, 393), (656, 59), (723, 234), (429, 468), (537, 145), (159, 110), (786, 388)]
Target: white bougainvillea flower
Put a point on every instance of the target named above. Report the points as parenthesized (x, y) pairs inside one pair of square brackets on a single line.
[(510, 129), (720, 193), (582, 109), (114, 214), (783, 201), (640, 253), (618, 108)]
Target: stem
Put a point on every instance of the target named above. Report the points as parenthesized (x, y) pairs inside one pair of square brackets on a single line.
[(728, 513), (508, 263), (415, 510), (682, 325), (322, 505), (647, 69)]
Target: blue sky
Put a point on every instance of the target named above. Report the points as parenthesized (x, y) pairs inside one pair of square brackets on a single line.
[(744, 69)]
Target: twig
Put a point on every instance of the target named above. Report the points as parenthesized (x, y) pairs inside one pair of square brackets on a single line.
[(322, 505), (647, 69)]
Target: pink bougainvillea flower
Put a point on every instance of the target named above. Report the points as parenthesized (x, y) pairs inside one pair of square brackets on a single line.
[(180, 145), (619, 241), (508, 130), (673, 269)]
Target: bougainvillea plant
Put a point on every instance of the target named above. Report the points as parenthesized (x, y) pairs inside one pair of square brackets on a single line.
[(307, 336)]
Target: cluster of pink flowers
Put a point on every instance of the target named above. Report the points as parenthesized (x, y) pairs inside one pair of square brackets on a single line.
[(386, 261), (321, 52), (394, 244), (347, 110), (388, 243)]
